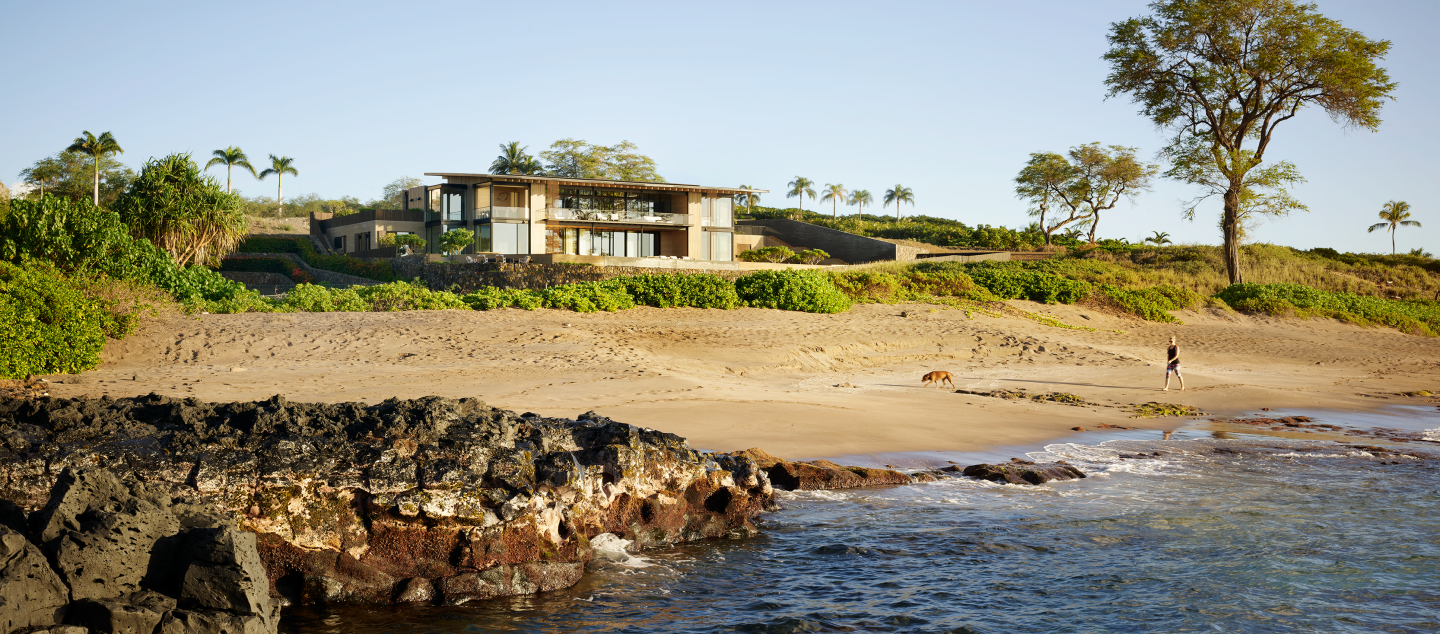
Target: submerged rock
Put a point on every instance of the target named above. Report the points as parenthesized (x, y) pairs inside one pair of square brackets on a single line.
[(816, 475), (429, 500), (1022, 473)]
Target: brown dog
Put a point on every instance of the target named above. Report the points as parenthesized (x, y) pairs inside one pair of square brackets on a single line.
[(936, 377)]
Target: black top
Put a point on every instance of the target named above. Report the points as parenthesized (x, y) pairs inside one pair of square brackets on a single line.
[(1174, 354)]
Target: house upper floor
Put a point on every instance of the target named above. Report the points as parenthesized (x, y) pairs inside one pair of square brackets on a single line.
[(474, 198)]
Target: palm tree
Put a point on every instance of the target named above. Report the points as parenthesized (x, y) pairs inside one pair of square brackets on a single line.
[(279, 166), (861, 197), (748, 199), (514, 160), (836, 194), (901, 194), (230, 157), (96, 148), (1396, 214), (1160, 238), (800, 187)]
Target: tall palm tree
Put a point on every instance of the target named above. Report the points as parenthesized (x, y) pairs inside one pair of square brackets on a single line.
[(901, 194), (836, 194), (514, 160), (230, 157), (860, 198), (1396, 214), (1160, 238), (96, 148), (801, 186), (279, 166), (748, 199)]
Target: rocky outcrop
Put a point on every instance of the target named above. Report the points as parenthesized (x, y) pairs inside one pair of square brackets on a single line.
[(1022, 472), (115, 557), (431, 500), (816, 475)]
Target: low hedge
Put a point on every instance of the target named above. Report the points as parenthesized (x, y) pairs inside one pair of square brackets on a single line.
[(268, 265), (378, 270)]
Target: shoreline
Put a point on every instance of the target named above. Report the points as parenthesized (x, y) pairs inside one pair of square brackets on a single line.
[(798, 385)]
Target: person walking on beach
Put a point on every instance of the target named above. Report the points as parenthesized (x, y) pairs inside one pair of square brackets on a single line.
[(1172, 364)]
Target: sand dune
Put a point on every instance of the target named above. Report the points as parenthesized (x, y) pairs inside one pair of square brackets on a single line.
[(734, 379)]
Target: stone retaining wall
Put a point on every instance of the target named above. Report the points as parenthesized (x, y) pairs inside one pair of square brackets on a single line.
[(321, 275)]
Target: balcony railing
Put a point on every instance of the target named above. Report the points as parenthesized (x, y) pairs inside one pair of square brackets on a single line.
[(595, 215), (514, 213)]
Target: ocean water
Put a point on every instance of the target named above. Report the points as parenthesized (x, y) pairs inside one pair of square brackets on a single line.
[(1273, 533)]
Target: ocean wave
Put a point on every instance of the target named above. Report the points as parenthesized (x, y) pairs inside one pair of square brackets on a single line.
[(1432, 435)]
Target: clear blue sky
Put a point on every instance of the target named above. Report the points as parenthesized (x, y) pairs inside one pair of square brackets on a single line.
[(947, 98)]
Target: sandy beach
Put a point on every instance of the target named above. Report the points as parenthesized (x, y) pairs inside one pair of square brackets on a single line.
[(798, 385)]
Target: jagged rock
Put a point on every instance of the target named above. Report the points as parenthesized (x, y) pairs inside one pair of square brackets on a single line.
[(103, 535), (428, 500), (818, 475), (31, 594), (1021, 473)]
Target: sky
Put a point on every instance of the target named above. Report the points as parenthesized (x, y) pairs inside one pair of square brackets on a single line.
[(947, 98)]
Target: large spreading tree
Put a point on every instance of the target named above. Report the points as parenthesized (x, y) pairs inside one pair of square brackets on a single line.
[(1221, 75)]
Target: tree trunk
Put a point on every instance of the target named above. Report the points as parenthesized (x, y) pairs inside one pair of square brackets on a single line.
[(1094, 224), (1230, 224), (279, 194), (1392, 240), (1044, 231), (97, 180), (227, 178), (897, 211)]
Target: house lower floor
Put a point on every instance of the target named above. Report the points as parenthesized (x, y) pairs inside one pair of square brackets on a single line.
[(524, 238)]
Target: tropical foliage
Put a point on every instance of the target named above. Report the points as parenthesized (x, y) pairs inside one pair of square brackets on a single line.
[(801, 187), (279, 166), (230, 157), (899, 194), (182, 211), (834, 194), (96, 148), (455, 240), (514, 160), (1394, 215)]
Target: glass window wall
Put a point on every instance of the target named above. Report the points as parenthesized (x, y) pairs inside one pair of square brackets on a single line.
[(578, 241), (503, 237)]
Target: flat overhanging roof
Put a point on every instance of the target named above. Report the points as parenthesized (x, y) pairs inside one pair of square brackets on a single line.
[(596, 182)]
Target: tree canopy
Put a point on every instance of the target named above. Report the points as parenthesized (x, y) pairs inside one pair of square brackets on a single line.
[(572, 158), (70, 175), (1090, 179), (1223, 74)]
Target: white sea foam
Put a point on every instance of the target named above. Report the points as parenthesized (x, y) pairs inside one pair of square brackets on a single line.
[(1431, 434), (611, 547)]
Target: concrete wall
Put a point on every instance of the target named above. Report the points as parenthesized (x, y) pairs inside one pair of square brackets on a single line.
[(844, 246)]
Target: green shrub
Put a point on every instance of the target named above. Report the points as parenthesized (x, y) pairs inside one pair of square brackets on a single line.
[(808, 291), (673, 290), (1417, 316), (867, 287), (810, 256), (588, 297), (774, 255), (406, 296), (47, 325), (491, 298), (1154, 303), (1013, 282)]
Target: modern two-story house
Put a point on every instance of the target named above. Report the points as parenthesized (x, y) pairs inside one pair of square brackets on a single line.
[(534, 215)]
